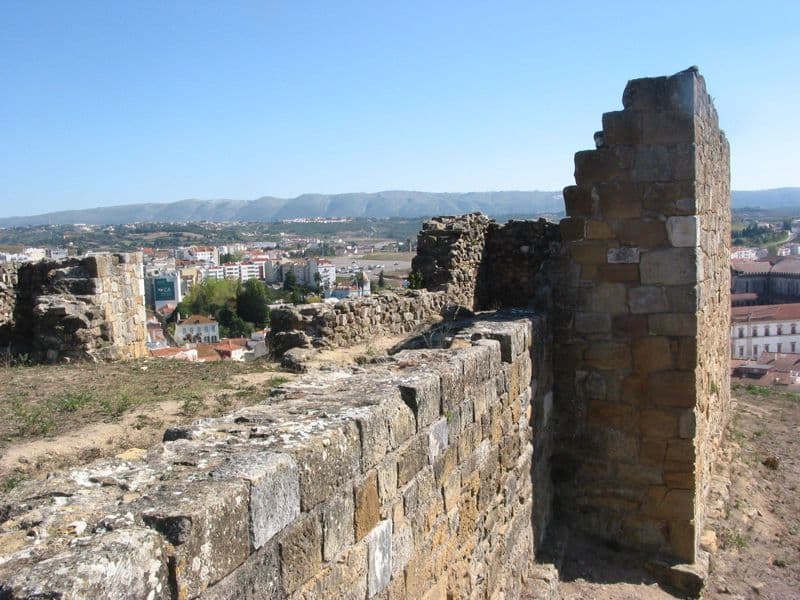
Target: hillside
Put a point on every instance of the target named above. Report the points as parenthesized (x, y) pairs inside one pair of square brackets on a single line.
[(386, 204)]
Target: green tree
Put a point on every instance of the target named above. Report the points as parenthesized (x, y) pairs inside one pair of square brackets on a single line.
[(289, 281), (416, 280), (251, 303), (381, 280), (209, 296)]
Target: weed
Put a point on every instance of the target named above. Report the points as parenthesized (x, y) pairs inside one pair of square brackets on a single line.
[(278, 380), (71, 402), (734, 538), (9, 482), (32, 419), (114, 407), (191, 405), (779, 562)]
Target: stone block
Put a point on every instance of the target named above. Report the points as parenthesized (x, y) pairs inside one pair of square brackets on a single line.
[(598, 165), (572, 229), (274, 485), (658, 424), (579, 201), (608, 355), (207, 525), (682, 298), (128, 563), (651, 354), (379, 559), (687, 425), (592, 322), (422, 393), (258, 578), (669, 505), (619, 200), (383, 428), (644, 233), (606, 297), (671, 198), (338, 517), (623, 255), (647, 299), (387, 478), (598, 230), (346, 578), (437, 439), (672, 388), (612, 415), (669, 266), (682, 231), (590, 253), (618, 273), (672, 324), (412, 458), (326, 461), (367, 504), (300, 552)]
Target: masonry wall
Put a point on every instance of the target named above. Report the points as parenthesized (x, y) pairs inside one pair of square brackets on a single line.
[(354, 320), (88, 308), (643, 316), (425, 475)]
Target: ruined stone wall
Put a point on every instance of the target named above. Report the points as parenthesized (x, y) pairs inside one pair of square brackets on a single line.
[(354, 320), (450, 252), (427, 476), (82, 308), (643, 316), (8, 279)]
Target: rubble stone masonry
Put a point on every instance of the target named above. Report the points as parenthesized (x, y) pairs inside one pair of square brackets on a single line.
[(641, 335), (81, 308)]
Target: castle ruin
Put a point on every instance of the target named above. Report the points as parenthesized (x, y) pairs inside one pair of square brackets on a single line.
[(594, 390)]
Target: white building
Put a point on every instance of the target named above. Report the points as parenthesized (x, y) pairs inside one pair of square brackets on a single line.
[(742, 253), (326, 272), (766, 328), (197, 328)]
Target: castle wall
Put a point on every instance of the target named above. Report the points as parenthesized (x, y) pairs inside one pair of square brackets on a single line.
[(425, 475), (82, 308), (641, 339)]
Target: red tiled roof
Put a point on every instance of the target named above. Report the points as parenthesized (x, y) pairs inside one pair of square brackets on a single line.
[(198, 320), (767, 312), (750, 266)]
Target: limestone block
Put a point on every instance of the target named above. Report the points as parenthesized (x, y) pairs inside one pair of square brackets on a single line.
[(437, 439), (608, 355), (379, 560), (672, 388), (326, 461), (127, 563), (606, 297), (592, 322), (258, 578), (383, 428), (300, 552), (669, 266), (682, 231), (337, 523), (652, 353), (274, 491), (367, 504), (647, 299), (672, 324), (207, 524), (623, 255), (412, 457), (345, 579), (422, 393)]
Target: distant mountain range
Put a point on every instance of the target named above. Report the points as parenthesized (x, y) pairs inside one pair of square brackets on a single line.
[(372, 205)]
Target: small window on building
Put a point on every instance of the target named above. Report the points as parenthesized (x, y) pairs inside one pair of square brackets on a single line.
[(793, 346), (794, 328), (780, 331), (755, 331), (741, 351), (755, 351), (766, 331), (741, 332), (780, 347), (766, 347)]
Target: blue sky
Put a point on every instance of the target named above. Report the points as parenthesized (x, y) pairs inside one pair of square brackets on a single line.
[(106, 103)]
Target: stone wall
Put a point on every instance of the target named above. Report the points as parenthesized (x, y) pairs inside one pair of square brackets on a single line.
[(641, 339), (427, 476), (8, 279), (354, 320), (81, 308), (450, 252)]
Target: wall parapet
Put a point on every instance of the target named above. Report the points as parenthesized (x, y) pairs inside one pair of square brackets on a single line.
[(420, 474)]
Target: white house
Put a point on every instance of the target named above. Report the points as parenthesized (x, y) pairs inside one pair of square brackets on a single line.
[(766, 328), (197, 328)]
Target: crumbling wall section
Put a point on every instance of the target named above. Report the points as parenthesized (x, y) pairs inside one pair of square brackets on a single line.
[(642, 319), (426, 476), (88, 308), (450, 252)]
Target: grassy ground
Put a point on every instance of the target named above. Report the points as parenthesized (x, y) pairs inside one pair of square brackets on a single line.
[(43, 406)]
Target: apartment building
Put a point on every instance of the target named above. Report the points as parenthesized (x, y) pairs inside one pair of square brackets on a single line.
[(767, 328)]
